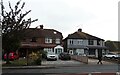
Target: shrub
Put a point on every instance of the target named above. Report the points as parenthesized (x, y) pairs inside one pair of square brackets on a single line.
[(36, 58), (44, 54)]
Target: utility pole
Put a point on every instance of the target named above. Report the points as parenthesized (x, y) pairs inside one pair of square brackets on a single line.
[(2, 7), (2, 14)]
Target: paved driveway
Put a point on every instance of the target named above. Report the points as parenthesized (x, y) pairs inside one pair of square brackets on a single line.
[(94, 61), (61, 62)]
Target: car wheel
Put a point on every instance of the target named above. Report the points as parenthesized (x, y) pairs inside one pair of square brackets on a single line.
[(113, 57), (105, 57), (69, 58), (47, 59)]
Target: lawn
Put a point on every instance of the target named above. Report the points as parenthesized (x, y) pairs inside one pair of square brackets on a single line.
[(22, 62), (18, 62)]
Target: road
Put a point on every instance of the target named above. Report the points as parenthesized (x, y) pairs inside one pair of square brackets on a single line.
[(67, 69), (64, 67)]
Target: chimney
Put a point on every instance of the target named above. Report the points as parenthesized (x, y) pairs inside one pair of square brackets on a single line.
[(41, 26), (79, 30)]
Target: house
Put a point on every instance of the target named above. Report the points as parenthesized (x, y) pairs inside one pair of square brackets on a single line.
[(81, 43), (113, 46), (37, 39)]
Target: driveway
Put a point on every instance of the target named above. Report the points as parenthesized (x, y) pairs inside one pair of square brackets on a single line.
[(94, 61), (71, 62), (61, 62)]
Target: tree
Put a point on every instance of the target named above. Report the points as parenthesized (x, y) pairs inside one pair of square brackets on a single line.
[(13, 26)]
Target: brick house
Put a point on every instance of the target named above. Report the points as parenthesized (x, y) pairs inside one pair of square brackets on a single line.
[(37, 39), (81, 43)]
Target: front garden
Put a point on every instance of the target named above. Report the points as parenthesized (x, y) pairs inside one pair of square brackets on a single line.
[(32, 59)]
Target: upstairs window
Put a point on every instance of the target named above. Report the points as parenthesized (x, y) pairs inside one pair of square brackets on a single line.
[(48, 40), (71, 41), (91, 42), (80, 42), (33, 39), (57, 41), (98, 42), (23, 40)]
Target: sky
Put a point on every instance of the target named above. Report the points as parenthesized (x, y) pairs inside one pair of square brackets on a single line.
[(96, 17)]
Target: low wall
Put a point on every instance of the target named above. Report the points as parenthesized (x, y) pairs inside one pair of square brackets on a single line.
[(83, 59)]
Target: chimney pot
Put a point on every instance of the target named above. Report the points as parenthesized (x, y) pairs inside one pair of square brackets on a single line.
[(79, 30), (41, 26)]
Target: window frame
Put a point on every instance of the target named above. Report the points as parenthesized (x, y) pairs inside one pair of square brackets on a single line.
[(48, 40), (57, 41), (90, 42)]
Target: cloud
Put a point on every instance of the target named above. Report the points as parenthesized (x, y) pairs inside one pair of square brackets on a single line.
[(94, 16)]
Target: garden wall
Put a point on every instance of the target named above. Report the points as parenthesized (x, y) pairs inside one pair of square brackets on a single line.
[(83, 59)]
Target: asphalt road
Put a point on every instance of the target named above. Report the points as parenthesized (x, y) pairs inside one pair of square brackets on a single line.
[(65, 69)]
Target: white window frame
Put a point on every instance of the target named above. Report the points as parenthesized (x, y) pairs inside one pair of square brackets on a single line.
[(90, 42), (57, 41), (48, 40), (71, 42), (49, 50), (80, 42)]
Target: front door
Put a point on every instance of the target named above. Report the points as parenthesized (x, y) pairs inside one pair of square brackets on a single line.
[(58, 50)]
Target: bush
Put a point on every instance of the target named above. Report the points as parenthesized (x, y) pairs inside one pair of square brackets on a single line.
[(36, 58), (44, 54), (38, 61)]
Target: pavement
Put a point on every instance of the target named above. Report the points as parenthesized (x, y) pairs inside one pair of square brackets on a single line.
[(94, 61), (93, 73), (28, 67), (90, 61)]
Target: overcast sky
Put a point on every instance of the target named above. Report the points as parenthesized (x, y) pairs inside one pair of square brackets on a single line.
[(96, 17)]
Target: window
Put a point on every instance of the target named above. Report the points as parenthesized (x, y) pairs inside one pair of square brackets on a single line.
[(57, 41), (48, 40), (98, 42), (33, 39), (58, 50), (80, 42), (91, 51), (48, 50), (71, 41), (91, 42), (24, 40)]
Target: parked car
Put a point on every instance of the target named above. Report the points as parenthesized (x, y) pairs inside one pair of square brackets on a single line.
[(111, 55), (12, 56), (64, 56), (52, 56)]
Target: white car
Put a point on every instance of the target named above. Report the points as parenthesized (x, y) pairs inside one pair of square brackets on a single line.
[(111, 55), (52, 56)]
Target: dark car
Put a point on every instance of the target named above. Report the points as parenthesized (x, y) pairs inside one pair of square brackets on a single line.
[(64, 56)]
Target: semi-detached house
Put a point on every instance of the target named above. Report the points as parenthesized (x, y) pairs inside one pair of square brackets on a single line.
[(81, 43), (37, 39)]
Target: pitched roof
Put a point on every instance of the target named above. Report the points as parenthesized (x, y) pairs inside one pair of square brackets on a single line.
[(37, 32), (113, 45), (82, 35)]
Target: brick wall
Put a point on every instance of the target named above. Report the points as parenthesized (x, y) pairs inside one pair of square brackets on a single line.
[(83, 59)]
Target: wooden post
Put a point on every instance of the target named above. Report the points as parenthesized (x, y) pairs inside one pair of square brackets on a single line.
[(27, 56)]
